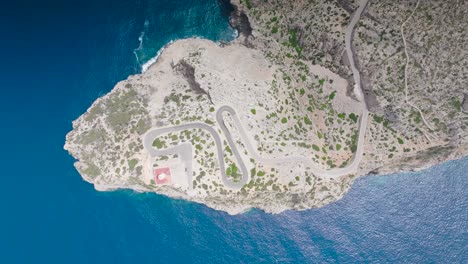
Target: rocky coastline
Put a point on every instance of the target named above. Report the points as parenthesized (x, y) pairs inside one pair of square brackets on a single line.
[(289, 99)]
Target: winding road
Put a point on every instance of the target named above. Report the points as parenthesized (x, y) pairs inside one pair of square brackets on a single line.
[(185, 149)]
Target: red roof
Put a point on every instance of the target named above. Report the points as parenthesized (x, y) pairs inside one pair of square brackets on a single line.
[(162, 175)]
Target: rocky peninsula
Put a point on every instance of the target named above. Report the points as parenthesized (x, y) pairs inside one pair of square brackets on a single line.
[(309, 97)]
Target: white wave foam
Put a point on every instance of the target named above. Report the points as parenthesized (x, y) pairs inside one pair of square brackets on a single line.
[(235, 33), (153, 60)]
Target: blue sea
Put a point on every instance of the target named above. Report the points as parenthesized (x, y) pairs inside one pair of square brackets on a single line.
[(57, 57)]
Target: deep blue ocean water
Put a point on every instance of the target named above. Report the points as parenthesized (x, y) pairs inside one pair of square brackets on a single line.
[(57, 57)]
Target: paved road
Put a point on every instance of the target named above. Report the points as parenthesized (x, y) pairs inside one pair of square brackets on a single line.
[(185, 149), (289, 159), (350, 52), (358, 89)]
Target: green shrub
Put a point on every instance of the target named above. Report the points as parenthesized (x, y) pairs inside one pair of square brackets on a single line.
[(159, 144), (353, 117), (232, 171), (320, 135), (307, 121), (378, 119), (132, 163), (253, 172)]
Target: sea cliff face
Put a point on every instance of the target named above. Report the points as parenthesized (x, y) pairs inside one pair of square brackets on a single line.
[(296, 114)]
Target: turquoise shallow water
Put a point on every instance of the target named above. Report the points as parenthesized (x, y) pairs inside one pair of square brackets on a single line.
[(57, 57)]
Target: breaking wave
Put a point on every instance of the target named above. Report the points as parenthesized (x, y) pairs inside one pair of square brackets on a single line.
[(153, 60)]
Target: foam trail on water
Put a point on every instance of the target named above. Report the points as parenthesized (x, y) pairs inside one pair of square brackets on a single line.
[(140, 39)]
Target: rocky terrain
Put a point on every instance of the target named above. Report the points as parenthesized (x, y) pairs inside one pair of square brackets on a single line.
[(428, 114), (288, 77)]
